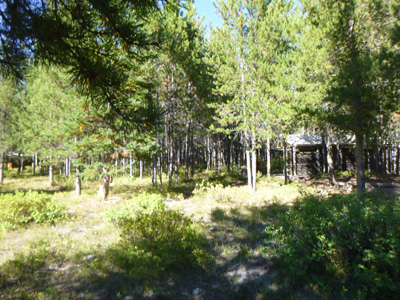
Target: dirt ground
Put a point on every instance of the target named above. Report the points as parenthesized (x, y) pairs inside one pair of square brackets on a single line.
[(390, 184)]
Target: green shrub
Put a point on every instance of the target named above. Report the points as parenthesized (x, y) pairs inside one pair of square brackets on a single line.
[(21, 208), (341, 242), (160, 240), (144, 203), (212, 191)]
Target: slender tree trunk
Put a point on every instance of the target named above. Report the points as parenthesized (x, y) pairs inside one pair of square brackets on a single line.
[(397, 161), (340, 157), (375, 156), (140, 170), (187, 155), (1, 167), (228, 154), (331, 166), (285, 171), (192, 157), (51, 175), (116, 168), (254, 168), (384, 161), (35, 163), (159, 167), (130, 166), (293, 160), (208, 154), (268, 158), (177, 165), (78, 185), (249, 173), (360, 164), (324, 154)]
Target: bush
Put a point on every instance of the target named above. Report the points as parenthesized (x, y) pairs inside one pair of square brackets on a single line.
[(168, 238), (145, 203), (21, 208), (212, 191), (341, 242)]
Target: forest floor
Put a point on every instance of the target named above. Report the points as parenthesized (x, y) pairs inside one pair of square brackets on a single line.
[(75, 259)]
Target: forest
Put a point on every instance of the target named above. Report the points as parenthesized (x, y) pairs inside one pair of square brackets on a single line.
[(145, 154)]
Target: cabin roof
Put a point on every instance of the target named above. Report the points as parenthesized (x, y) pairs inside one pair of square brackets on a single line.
[(315, 139)]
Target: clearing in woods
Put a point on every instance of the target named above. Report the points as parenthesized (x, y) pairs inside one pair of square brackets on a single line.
[(79, 258)]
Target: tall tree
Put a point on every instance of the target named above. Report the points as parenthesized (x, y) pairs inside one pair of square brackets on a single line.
[(251, 51), (9, 105), (358, 99), (50, 100)]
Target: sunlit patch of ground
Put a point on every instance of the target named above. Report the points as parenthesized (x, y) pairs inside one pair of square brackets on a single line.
[(73, 258)]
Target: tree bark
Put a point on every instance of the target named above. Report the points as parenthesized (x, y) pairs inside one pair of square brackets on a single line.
[(249, 173), (159, 167), (140, 170), (285, 162), (21, 163), (130, 166), (1, 167), (187, 155), (254, 168), (293, 160), (51, 175), (268, 154), (104, 188), (78, 185), (360, 164), (330, 161)]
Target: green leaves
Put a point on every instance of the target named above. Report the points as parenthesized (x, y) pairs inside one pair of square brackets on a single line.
[(20, 208), (341, 240), (252, 53)]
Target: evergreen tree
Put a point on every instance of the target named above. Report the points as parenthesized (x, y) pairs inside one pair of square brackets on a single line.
[(8, 118), (358, 98), (252, 53), (50, 99)]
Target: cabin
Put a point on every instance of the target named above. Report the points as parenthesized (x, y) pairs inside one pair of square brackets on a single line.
[(307, 155)]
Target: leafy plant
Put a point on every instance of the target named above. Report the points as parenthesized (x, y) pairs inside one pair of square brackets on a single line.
[(21, 208), (214, 191), (155, 240), (341, 241), (144, 203)]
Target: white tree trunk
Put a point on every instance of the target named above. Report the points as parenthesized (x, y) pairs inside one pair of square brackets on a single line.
[(254, 169), (249, 173), (78, 185), (51, 175)]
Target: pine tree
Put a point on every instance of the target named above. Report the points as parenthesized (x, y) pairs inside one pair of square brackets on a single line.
[(358, 98), (251, 51), (50, 99), (8, 120)]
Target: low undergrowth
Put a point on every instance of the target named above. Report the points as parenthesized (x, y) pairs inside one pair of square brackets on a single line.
[(155, 239), (340, 245), (20, 208)]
